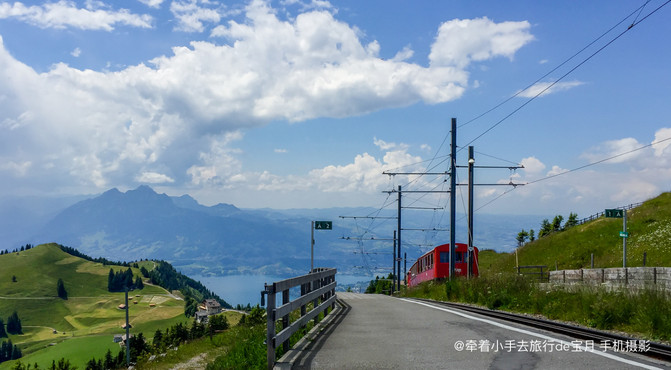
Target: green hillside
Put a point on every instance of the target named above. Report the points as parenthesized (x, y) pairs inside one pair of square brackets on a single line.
[(649, 227), (83, 325)]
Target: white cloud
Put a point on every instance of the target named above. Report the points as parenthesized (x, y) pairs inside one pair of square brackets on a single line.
[(615, 148), (76, 53), (556, 170), (190, 15), (154, 178), (462, 41), (532, 165), (383, 145), (152, 3), (662, 137), (546, 88), (281, 151), (178, 114), (64, 14)]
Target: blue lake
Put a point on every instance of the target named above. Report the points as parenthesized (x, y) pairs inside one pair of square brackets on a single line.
[(243, 289)]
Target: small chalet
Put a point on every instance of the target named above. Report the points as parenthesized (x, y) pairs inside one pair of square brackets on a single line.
[(208, 308), (211, 306), (121, 339)]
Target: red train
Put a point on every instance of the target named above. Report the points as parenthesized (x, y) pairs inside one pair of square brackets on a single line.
[(436, 264)]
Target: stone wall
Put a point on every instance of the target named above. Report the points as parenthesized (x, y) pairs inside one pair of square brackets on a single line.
[(635, 276)]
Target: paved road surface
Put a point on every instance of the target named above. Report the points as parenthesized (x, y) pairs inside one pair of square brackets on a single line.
[(380, 332)]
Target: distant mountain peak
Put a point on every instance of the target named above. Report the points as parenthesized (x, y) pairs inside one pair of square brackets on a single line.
[(146, 189)]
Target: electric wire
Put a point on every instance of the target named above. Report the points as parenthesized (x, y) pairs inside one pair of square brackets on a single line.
[(565, 75), (577, 169), (640, 9)]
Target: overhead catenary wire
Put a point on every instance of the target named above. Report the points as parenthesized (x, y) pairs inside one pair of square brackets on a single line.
[(578, 169), (639, 10), (565, 74)]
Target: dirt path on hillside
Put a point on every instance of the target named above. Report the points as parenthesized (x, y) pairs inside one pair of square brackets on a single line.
[(198, 362)]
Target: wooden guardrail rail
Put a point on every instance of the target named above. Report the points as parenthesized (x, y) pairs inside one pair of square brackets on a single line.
[(317, 287)]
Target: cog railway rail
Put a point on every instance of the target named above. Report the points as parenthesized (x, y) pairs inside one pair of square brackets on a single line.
[(657, 350)]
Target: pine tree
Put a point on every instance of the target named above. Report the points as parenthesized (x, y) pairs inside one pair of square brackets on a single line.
[(14, 324), (3, 333), (110, 281), (60, 288)]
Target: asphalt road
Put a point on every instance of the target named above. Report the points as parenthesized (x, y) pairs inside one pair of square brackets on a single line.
[(380, 332)]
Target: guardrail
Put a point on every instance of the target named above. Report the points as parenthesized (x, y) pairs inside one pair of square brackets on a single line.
[(599, 214), (315, 287), (543, 276)]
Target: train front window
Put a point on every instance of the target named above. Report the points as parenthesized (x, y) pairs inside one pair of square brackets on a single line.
[(459, 258), (444, 257)]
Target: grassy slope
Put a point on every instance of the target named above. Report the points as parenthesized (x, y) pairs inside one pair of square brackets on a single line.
[(91, 311), (649, 227)]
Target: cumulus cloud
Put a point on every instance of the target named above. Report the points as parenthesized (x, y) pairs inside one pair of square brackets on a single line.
[(179, 114), (191, 15), (622, 150), (546, 88), (153, 178), (532, 165), (76, 53), (462, 41), (64, 14), (152, 3), (662, 142)]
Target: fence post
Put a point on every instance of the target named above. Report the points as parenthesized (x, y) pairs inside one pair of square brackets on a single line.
[(645, 256), (654, 274), (626, 276), (285, 319), (592, 261), (270, 326), (564, 276), (315, 303)]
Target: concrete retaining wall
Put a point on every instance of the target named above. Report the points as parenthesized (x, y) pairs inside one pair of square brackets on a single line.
[(636, 276)]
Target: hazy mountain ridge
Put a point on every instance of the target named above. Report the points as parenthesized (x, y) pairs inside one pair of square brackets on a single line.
[(223, 239)]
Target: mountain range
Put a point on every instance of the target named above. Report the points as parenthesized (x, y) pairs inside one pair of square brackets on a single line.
[(223, 239)]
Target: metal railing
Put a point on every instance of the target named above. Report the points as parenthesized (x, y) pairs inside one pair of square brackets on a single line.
[(542, 276), (597, 215), (317, 287)]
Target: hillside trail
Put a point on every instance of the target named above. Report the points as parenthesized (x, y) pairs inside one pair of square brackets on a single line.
[(197, 362)]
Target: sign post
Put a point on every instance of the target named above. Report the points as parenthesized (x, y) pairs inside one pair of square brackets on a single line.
[(319, 225), (621, 213)]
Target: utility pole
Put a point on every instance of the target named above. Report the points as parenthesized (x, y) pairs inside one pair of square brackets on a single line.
[(127, 333), (453, 195), (398, 240), (393, 266), (469, 258), (624, 238)]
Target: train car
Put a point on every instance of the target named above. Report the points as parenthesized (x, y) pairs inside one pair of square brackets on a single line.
[(435, 264)]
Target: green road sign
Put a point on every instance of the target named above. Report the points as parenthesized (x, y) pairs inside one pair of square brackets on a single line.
[(615, 213), (624, 234), (323, 225)]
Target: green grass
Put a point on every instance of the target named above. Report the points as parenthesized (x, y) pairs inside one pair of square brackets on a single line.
[(649, 227), (77, 350), (643, 314), (90, 313)]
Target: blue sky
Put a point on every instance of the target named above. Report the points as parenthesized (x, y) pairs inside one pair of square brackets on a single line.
[(303, 104)]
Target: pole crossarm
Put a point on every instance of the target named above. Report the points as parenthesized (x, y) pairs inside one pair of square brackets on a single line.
[(508, 184), (512, 168), (446, 173), (416, 191), (375, 217), (430, 208), (360, 238), (429, 229)]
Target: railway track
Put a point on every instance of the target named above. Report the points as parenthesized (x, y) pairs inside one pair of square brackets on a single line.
[(656, 350)]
